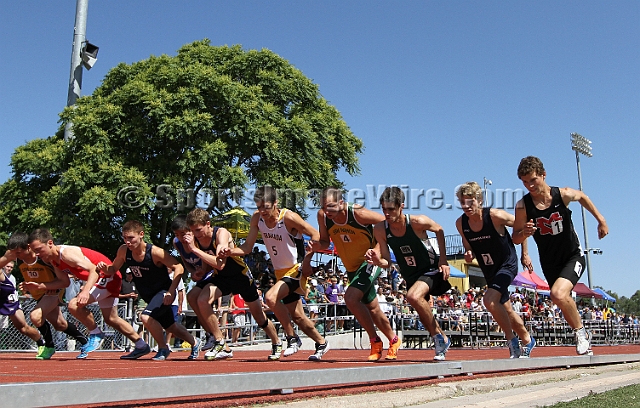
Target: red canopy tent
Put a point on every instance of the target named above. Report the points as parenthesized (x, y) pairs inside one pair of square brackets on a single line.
[(540, 283), (583, 291)]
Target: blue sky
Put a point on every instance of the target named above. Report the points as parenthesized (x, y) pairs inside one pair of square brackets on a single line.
[(440, 92)]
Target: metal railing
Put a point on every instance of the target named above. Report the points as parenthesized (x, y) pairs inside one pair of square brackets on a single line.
[(470, 329)]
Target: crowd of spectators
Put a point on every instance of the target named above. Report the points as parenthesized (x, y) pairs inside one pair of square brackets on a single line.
[(453, 309)]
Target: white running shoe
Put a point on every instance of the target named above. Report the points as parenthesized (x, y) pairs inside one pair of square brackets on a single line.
[(293, 345), (224, 355), (583, 342), (321, 350)]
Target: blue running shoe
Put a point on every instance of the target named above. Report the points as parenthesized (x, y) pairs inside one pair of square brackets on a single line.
[(94, 343), (195, 351), (441, 347), (163, 354), (83, 354), (514, 348), (137, 353), (209, 343), (525, 351)]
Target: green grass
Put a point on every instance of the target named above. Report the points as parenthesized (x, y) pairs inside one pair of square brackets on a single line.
[(619, 398)]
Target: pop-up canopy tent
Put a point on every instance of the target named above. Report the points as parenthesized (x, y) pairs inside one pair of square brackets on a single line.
[(539, 282), (605, 295), (456, 273), (523, 282), (584, 292), (236, 220)]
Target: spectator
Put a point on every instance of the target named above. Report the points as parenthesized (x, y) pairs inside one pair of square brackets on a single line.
[(237, 306), (331, 293), (312, 297), (8, 269)]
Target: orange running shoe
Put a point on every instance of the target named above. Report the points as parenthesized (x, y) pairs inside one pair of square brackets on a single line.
[(376, 351), (392, 353)]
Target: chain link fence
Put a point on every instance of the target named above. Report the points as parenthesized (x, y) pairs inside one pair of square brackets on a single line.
[(12, 340)]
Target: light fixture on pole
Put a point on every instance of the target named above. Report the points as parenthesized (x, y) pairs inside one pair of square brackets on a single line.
[(582, 145), (487, 182), (89, 55), (82, 54)]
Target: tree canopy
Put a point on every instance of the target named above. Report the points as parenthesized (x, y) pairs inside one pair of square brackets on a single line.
[(214, 118)]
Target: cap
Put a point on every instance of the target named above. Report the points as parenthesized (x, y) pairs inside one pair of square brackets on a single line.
[(314, 282)]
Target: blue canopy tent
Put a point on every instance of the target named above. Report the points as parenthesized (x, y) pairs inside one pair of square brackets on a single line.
[(605, 295), (456, 273)]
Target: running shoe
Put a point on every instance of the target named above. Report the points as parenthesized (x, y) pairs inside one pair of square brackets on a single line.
[(321, 350), (276, 352), (162, 354), (525, 351), (224, 354), (211, 341), (45, 353), (136, 353), (514, 348), (376, 350), (293, 345), (195, 351), (392, 352), (583, 342), (93, 343), (211, 354), (441, 347)]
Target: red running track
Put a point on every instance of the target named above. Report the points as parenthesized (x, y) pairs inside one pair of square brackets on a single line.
[(23, 368)]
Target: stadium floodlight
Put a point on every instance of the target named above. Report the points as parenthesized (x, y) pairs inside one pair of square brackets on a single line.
[(581, 144)]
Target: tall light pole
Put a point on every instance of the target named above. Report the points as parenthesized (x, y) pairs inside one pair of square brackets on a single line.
[(582, 145), (487, 182), (75, 78)]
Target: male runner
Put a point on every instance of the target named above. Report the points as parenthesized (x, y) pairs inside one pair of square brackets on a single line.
[(10, 306), (150, 267), (36, 275), (193, 265), (231, 275), (104, 289), (485, 237), (425, 275), (544, 214), (350, 227), (282, 235)]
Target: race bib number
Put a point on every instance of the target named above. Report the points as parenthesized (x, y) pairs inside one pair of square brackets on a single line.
[(13, 297), (410, 260), (486, 258), (33, 274), (370, 269), (135, 270)]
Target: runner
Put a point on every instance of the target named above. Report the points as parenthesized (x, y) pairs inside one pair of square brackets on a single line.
[(37, 275), (150, 266), (485, 238), (193, 265), (350, 227), (231, 275), (544, 214), (104, 289), (282, 235), (425, 275)]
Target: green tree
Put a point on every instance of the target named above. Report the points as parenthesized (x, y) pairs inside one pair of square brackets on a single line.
[(213, 118), (629, 305)]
